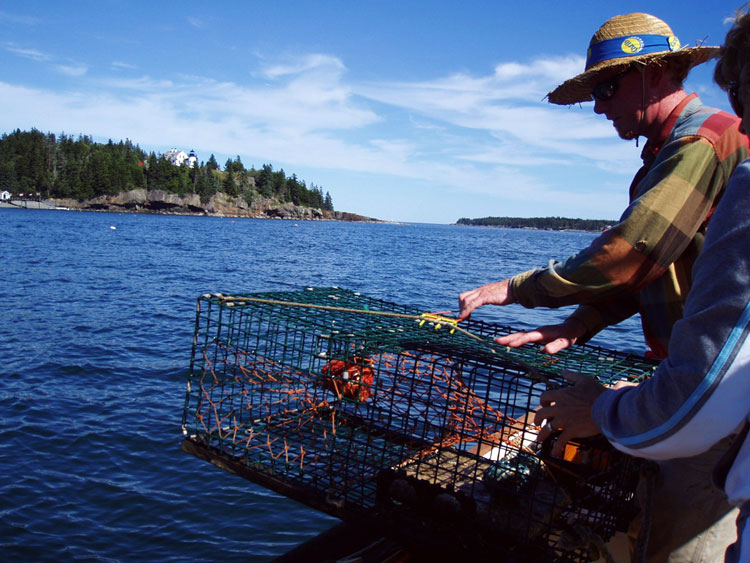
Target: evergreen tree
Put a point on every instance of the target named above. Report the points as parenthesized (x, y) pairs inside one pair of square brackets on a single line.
[(228, 186), (278, 184), (77, 167), (212, 165), (263, 181), (195, 173)]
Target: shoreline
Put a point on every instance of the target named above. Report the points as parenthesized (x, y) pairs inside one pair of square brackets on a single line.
[(335, 218), (528, 228), (167, 204)]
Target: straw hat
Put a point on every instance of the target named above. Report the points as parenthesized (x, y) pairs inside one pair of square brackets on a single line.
[(623, 40)]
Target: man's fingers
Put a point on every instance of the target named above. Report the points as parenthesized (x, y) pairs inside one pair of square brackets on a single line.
[(464, 312), (553, 395), (541, 415), (467, 302), (556, 345), (547, 398), (517, 339), (544, 433), (624, 383), (558, 450), (463, 316), (553, 337), (547, 412)]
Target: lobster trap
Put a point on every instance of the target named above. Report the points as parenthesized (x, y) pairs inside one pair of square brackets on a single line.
[(374, 412)]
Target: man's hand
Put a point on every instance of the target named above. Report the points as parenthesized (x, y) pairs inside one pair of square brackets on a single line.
[(569, 409), (554, 337), (497, 293)]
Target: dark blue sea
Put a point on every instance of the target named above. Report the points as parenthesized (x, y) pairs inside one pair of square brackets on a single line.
[(96, 328)]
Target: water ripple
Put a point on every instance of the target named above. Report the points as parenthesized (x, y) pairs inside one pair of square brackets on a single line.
[(95, 334)]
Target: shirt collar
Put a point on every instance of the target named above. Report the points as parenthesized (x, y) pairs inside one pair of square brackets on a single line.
[(651, 149)]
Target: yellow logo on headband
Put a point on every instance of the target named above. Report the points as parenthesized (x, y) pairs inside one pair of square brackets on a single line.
[(632, 45), (674, 43)]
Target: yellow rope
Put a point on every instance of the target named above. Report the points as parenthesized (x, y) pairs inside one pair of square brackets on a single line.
[(424, 317), (439, 321)]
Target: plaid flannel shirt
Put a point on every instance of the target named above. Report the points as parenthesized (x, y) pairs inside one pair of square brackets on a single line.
[(644, 263)]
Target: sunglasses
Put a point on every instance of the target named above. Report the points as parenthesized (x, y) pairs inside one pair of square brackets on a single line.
[(605, 90), (733, 90)]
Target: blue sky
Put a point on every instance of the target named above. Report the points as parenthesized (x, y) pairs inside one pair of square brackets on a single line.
[(406, 111)]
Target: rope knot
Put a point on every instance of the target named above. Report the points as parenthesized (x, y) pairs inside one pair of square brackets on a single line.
[(438, 321)]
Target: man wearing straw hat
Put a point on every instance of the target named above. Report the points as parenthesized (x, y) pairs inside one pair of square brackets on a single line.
[(634, 72), (701, 394)]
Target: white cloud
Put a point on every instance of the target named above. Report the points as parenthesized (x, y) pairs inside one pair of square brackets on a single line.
[(142, 84), (329, 65), (32, 54), (491, 136), (72, 69), (123, 66), (507, 107), (67, 68)]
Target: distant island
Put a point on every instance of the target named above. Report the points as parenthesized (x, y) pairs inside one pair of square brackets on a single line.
[(545, 223), (78, 173)]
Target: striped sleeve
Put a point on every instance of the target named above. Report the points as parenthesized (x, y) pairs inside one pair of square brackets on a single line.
[(673, 201)]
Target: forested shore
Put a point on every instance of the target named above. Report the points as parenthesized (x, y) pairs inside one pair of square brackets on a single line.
[(546, 223), (64, 167)]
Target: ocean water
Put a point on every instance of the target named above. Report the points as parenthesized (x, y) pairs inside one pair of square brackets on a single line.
[(95, 334)]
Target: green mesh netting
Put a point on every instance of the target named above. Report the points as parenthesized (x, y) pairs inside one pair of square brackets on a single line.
[(368, 409)]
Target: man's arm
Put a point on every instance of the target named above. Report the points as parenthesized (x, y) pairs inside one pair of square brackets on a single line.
[(578, 328), (672, 203), (554, 337), (701, 392), (497, 293)]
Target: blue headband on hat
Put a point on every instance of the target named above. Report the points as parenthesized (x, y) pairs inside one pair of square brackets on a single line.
[(630, 46)]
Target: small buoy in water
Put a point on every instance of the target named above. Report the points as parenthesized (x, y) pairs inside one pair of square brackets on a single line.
[(112, 227)]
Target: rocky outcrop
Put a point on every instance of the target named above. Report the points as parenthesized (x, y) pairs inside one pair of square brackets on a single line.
[(220, 205), (143, 200)]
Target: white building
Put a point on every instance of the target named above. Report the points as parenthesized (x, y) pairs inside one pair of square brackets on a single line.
[(178, 158), (175, 157), (5, 195)]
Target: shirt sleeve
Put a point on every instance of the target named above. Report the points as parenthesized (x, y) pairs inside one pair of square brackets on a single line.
[(670, 206), (700, 393), (599, 316)]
